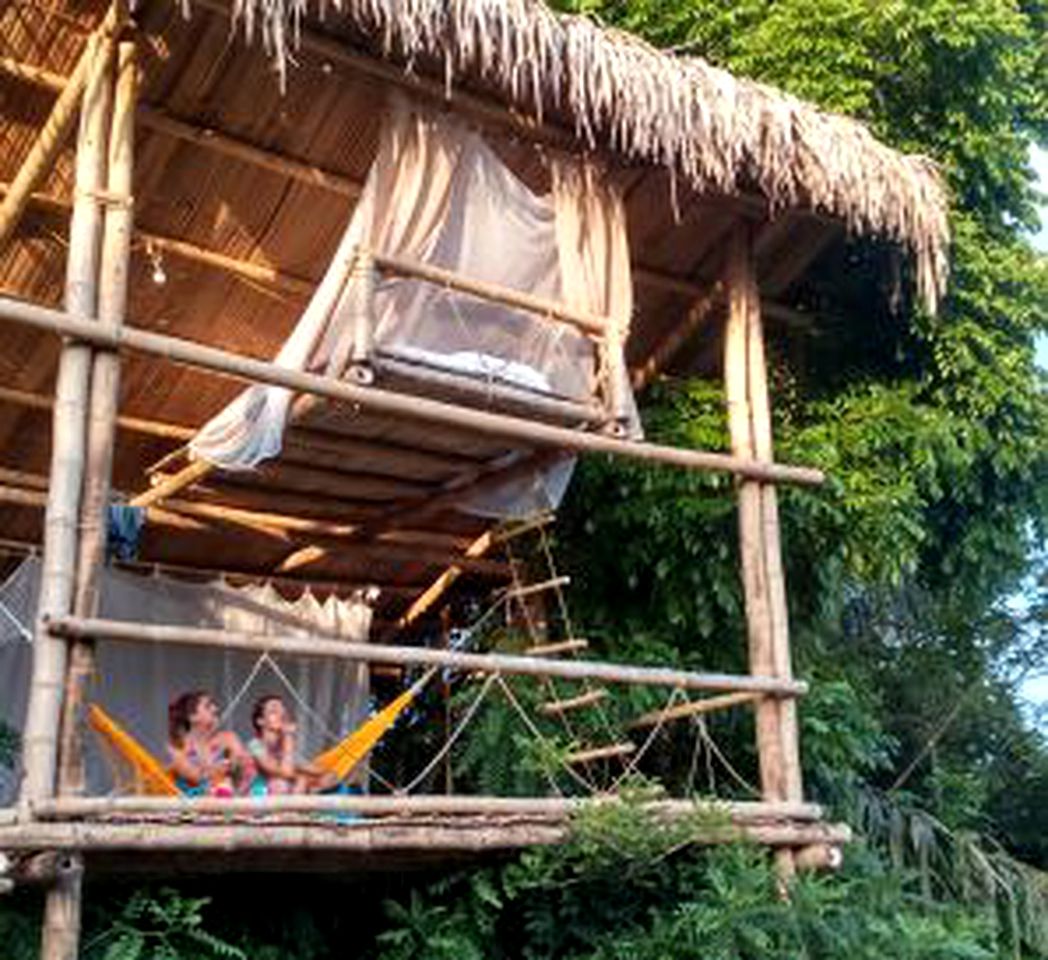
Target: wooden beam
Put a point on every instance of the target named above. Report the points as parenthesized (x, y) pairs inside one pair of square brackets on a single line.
[(161, 120), (671, 344), (39, 162), (419, 409), (120, 631)]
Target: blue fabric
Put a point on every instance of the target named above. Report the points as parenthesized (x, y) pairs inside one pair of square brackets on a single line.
[(124, 531)]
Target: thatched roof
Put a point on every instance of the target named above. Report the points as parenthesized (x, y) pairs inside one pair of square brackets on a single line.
[(718, 132)]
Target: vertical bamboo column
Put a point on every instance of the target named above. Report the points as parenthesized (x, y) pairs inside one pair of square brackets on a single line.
[(68, 438), (760, 405), (102, 414), (61, 929), (749, 415), (756, 595), (613, 360)]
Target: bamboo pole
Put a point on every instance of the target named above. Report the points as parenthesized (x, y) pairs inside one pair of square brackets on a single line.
[(771, 542), (408, 407), (163, 121), (585, 321), (104, 400), (694, 708), (151, 428), (57, 580), (755, 592), (129, 632), (223, 839), (464, 805), (56, 128), (60, 934)]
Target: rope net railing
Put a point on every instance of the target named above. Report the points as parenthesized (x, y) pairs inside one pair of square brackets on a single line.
[(556, 736)]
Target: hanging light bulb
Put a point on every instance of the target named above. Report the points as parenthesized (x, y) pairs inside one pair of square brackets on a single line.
[(156, 259)]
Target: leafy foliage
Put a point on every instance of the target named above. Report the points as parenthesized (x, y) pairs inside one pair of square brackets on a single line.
[(160, 926)]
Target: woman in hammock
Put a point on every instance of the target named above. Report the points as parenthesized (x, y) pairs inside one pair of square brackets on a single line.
[(206, 761), (273, 749)]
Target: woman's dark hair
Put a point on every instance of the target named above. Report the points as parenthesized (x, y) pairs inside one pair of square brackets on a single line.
[(259, 709), (178, 713)]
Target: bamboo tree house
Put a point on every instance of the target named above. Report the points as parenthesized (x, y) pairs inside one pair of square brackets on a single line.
[(327, 299)]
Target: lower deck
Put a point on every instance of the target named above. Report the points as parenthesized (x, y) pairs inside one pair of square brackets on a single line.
[(353, 835)]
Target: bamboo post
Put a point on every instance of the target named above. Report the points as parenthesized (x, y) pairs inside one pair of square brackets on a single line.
[(364, 279), (616, 379), (749, 418), (68, 439), (772, 545), (60, 938), (61, 927), (754, 580), (102, 415)]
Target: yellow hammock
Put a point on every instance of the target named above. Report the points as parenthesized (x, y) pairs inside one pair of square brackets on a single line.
[(149, 777)]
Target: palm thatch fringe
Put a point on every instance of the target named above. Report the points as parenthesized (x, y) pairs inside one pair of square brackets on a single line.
[(712, 129)]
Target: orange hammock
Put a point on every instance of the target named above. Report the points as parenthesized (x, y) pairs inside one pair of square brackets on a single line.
[(141, 773)]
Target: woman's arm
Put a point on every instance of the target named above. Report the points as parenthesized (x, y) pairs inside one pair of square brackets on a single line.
[(270, 766), (192, 773)]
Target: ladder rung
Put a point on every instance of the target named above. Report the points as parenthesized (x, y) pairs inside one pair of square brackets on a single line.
[(694, 708), (556, 707), (601, 753), (516, 593), (556, 649)]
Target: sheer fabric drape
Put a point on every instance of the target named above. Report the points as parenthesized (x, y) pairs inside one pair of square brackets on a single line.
[(438, 193), (135, 682)]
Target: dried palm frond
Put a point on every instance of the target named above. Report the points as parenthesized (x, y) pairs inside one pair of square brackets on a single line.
[(706, 126)]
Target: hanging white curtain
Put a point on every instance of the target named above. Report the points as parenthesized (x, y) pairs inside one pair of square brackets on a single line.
[(438, 193), (135, 682)]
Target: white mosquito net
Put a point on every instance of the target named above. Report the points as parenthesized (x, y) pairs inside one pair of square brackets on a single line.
[(438, 193), (135, 682)]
